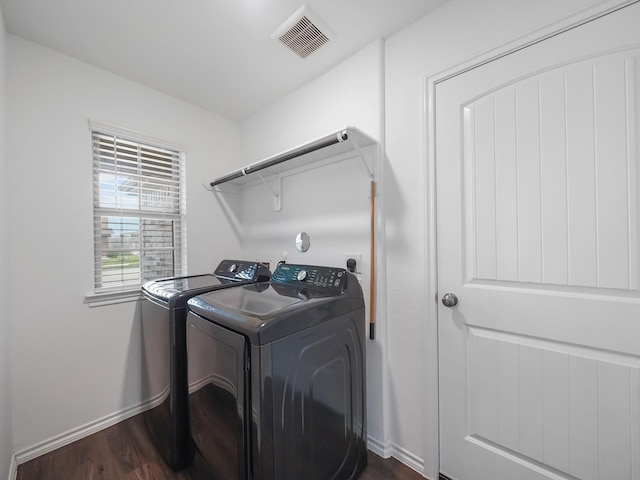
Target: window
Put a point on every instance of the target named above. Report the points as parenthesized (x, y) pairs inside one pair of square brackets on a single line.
[(138, 212)]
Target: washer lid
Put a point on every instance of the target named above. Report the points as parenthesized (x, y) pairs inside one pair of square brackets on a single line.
[(170, 288), (256, 300), (177, 290)]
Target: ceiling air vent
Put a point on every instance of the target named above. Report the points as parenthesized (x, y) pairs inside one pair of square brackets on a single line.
[(302, 33)]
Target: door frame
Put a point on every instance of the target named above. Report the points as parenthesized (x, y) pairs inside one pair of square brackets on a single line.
[(431, 453)]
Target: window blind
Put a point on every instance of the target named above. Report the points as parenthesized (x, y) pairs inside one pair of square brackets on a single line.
[(139, 211)]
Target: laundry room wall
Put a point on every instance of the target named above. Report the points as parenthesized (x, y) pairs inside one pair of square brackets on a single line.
[(74, 367), (458, 31), (6, 440), (331, 203)]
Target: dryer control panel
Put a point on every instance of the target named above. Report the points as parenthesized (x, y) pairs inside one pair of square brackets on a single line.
[(331, 280)]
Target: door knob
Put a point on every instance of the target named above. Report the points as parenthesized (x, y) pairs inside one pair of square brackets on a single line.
[(449, 300)]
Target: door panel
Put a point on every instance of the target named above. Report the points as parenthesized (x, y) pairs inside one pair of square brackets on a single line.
[(551, 178), (563, 406), (537, 156)]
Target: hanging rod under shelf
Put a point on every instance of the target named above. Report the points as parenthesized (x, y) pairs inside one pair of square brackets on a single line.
[(340, 137)]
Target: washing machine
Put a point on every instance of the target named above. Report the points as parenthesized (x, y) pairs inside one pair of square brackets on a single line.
[(164, 311), (277, 378)]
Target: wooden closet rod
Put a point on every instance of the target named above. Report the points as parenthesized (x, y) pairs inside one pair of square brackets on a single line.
[(372, 280)]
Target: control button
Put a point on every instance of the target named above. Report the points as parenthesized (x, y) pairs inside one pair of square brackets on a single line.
[(302, 275), (233, 268)]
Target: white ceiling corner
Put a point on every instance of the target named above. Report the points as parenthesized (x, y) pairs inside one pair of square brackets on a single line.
[(212, 53)]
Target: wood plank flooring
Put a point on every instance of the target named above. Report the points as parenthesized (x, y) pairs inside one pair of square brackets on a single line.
[(123, 452)]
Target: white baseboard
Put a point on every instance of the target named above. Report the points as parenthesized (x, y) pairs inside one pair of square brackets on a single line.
[(74, 434), (386, 450), (13, 468), (378, 447), (409, 459)]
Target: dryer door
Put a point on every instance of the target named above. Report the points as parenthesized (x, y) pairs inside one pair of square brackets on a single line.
[(217, 360)]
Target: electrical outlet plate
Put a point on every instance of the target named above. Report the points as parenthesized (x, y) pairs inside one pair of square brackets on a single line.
[(357, 257)]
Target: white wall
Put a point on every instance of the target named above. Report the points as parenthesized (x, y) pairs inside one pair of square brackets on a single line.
[(6, 440), (331, 203), (456, 32), (74, 365)]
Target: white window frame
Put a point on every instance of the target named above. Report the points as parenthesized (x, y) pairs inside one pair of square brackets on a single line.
[(128, 292)]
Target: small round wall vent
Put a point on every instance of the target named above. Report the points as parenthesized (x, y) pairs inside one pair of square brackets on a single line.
[(303, 33)]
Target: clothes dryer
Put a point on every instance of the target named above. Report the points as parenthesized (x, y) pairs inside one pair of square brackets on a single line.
[(277, 378), (165, 307)]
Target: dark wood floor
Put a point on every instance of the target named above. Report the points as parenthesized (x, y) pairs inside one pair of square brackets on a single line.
[(123, 452)]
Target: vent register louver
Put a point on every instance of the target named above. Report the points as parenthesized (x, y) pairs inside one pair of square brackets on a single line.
[(302, 33)]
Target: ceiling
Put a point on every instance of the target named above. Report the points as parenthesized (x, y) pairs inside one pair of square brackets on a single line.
[(216, 54)]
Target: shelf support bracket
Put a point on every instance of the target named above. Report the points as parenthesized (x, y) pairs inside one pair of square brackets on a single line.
[(275, 190), (364, 160)]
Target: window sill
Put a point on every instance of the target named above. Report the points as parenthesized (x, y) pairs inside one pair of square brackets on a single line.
[(111, 298)]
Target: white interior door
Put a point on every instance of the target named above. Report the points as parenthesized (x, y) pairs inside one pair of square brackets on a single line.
[(537, 158)]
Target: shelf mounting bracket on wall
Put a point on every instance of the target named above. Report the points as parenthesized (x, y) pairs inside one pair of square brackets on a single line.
[(275, 190), (364, 160)]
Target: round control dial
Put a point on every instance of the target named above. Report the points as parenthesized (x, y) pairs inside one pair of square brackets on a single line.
[(233, 268), (302, 275)]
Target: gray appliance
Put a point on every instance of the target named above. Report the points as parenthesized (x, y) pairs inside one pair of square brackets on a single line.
[(165, 305), (277, 378)]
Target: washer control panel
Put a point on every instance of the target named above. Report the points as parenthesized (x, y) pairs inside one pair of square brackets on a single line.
[(330, 278), (242, 270)]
